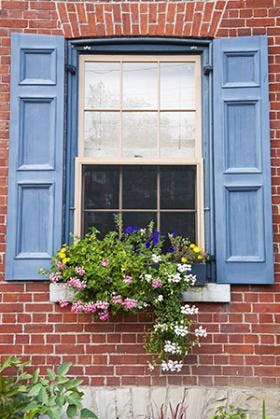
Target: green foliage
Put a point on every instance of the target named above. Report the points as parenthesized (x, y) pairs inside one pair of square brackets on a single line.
[(229, 412), (167, 411), (27, 396), (131, 271)]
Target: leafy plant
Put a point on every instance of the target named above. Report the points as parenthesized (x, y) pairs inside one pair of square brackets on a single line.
[(229, 412), (167, 411), (28, 396), (130, 271)]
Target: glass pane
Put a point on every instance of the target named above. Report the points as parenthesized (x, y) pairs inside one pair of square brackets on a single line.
[(103, 221), (177, 187), (140, 219), (177, 135), (139, 85), (101, 187), (139, 134), (102, 134), (182, 223), (139, 187), (102, 85), (177, 86)]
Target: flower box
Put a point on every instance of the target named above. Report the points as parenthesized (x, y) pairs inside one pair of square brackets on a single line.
[(200, 271)]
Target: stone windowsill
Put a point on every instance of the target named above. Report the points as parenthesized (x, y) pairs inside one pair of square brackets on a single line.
[(210, 293)]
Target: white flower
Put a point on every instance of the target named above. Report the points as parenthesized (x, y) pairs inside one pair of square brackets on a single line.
[(181, 330), (156, 258), (161, 326), (159, 298), (174, 278), (191, 310), (171, 347), (183, 267), (148, 277), (200, 332), (190, 279), (142, 231), (173, 366), (150, 366)]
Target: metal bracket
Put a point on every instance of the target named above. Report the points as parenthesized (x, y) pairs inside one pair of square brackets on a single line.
[(207, 69), (70, 68)]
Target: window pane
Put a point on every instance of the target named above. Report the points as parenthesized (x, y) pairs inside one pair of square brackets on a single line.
[(177, 187), (101, 187), (139, 85), (177, 86), (177, 135), (102, 134), (139, 134), (139, 187), (182, 223), (140, 219), (103, 221), (102, 85)]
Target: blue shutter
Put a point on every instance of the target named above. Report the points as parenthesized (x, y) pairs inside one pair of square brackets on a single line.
[(34, 223), (243, 220)]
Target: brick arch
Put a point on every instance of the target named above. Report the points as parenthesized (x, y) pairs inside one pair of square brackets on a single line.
[(180, 19)]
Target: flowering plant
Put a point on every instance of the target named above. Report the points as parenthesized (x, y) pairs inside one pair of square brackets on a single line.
[(130, 271)]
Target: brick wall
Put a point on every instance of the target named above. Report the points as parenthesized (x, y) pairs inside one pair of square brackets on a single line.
[(242, 347)]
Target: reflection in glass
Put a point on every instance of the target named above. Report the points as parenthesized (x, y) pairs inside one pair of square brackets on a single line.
[(102, 85), (140, 219), (177, 86), (139, 134), (139, 85), (177, 135), (101, 187), (103, 221), (139, 187), (177, 187), (182, 223), (102, 134)]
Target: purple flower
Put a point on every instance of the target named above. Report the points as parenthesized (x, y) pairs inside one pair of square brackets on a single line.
[(147, 245), (170, 249), (157, 283), (127, 279), (129, 303), (156, 235), (174, 234), (104, 315), (63, 302)]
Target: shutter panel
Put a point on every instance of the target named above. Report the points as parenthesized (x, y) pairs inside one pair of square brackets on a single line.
[(34, 223), (244, 250)]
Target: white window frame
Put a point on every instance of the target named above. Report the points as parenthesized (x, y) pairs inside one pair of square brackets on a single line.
[(119, 160)]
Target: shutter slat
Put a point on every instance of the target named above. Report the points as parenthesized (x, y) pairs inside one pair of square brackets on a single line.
[(34, 223), (243, 220)]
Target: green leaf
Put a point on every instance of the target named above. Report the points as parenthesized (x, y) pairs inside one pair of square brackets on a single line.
[(86, 413), (59, 400), (35, 390), (43, 396), (73, 384), (74, 398), (71, 411), (64, 368), (35, 376), (51, 374)]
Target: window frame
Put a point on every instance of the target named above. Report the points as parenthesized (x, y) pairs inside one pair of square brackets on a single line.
[(140, 46)]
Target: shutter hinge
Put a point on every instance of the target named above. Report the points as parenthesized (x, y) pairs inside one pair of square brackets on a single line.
[(207, 69), (70, 68)]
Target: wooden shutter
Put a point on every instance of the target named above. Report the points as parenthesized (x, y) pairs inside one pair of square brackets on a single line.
[(34, 223), (243, 221)]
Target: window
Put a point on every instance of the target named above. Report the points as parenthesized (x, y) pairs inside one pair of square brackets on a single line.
[(139, 150), (130, 130)]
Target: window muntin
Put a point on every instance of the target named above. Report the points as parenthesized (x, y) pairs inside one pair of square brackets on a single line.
[(140, 110)]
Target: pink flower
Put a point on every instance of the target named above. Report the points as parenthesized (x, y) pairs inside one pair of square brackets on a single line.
[(102, 305), (89, 308), (60, 265), (105, 262), (77, 283), (127, 279), (55, 277), (77, 307), (117, 299), (80, 270), (157, 283), (129, 303), (63, 303), (104, 315)]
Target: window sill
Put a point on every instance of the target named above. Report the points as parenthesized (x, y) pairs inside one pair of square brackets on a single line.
[(210, 293)]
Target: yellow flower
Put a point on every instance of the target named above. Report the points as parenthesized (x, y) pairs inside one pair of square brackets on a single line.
[(183, 260), (65, 260), (196, 249), (192, 246), (199, 257)]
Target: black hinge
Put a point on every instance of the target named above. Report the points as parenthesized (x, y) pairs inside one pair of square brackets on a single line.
[(207, 69), (70, 68)]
